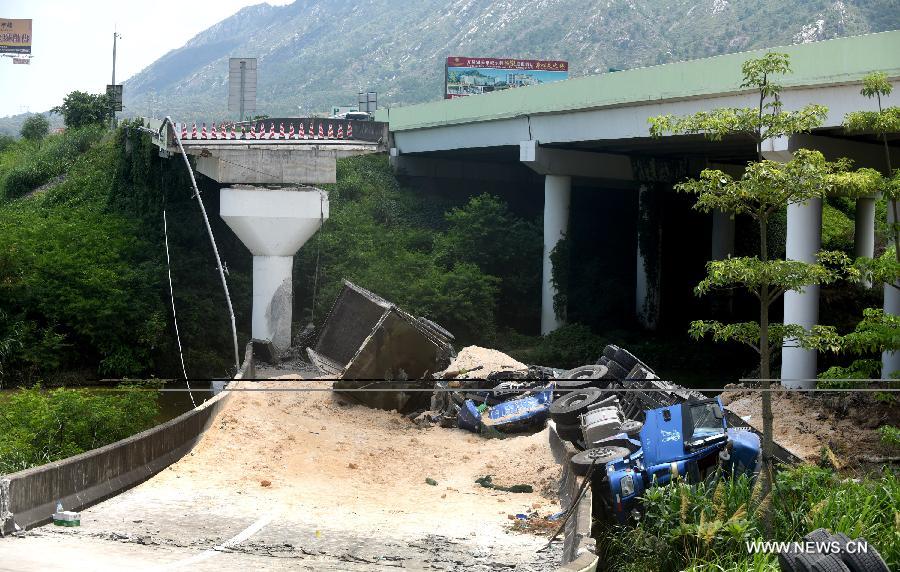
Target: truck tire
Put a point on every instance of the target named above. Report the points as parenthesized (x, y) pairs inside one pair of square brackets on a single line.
[(566, 386), (626, 359), (609, 352), (632, 428), (819, 535), (870, 561), (602, 360), (567, 409), (570, 433), (823, 563), (788, 562), (587, 372), (598, 456), (616, 371)]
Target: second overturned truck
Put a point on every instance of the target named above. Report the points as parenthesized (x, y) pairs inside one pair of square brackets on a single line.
[(690, 441)]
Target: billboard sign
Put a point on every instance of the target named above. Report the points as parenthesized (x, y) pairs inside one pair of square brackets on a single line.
[(21, 61), (242, 87), (115, 94), (471, 76), (15, 36)]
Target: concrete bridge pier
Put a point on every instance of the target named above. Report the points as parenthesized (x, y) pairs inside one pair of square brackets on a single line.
[(557, 196), (804, 240), (273, 225)]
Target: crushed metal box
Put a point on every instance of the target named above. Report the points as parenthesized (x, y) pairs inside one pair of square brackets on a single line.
[(370, 343)]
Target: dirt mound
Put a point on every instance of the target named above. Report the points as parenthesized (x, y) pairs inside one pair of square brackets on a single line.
[(490, 361), (804, 424), (324, 455)]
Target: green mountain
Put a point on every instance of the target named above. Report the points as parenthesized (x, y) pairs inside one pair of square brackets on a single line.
[(319, 53)]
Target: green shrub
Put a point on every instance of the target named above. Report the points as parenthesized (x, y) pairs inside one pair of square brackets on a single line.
[(570, 346), (43, 426), (705, 527), (35, 127)]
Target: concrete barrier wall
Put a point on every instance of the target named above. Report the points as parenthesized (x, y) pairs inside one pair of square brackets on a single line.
[(579, 548), (28, 498)]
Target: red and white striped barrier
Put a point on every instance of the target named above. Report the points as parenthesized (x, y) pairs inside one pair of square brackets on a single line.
[(324, 130)]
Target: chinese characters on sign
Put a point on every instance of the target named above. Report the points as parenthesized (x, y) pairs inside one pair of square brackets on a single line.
[(15, 36), (470, 76)]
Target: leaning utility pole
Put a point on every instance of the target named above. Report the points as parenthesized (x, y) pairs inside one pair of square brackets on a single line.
[(112, 103)]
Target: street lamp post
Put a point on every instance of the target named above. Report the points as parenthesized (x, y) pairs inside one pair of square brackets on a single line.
[(113, 101)]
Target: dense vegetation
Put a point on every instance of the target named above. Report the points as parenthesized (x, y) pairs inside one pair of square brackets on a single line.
[(43, 426), (706, 527)]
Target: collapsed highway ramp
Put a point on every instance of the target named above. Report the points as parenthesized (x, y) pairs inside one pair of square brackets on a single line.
[(287, 479)]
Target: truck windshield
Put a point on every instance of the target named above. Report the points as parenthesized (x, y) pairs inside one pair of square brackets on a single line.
[(706, 420)]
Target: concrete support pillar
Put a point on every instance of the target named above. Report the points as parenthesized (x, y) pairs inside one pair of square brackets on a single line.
[(273, 299), (649, 244), (722, 235), (557, 195), (864, 230), (804, 240), (273, 225), (890, 360)]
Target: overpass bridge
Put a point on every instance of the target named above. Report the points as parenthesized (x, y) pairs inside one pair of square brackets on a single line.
[(591, 134)]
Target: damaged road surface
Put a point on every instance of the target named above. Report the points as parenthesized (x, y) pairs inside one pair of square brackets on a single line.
[(295, 480)]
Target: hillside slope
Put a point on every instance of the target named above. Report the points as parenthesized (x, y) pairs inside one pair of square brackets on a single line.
[(315, 53)]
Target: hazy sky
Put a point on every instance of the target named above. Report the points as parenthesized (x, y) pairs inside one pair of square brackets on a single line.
[(72, 43)]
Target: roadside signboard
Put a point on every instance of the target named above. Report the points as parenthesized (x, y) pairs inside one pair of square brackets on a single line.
[(21, 60), (471, 76), (15, 36), (115, 93)]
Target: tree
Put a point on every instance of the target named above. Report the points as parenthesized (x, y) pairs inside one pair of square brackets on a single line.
[(766, 187), (35, 127), (79, 109)]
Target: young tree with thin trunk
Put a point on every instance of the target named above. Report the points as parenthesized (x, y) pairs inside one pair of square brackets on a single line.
[(767, 187)]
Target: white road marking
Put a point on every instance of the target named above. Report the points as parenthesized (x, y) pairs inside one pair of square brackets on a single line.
[(233, 541)]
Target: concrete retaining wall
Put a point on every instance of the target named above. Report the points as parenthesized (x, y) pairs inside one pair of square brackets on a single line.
[(579, 548), (28, 498)]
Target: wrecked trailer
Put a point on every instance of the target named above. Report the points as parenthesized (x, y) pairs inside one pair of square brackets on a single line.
[(370, 343)]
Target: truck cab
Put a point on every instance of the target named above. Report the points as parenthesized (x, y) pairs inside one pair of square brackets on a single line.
[(689, 440)]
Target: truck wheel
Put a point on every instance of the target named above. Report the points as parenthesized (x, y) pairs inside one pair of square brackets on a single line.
[(609, 352), (616, 371), (586, 372), (632, 428), (598, 456), (568, 408), (626, 359), (564, 386), (823, 563), (870, 561), (819, 535), (603, 360), (569, 432)]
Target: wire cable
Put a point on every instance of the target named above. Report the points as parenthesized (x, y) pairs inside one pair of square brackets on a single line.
[(174, 317)]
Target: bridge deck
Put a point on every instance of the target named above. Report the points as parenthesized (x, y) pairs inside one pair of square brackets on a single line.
[(347, 492)]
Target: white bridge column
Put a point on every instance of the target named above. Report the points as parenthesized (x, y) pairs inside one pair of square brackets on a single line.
[(557, 195), (804, 239), (890, 360), (273, 225), (273, 295)]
